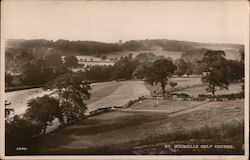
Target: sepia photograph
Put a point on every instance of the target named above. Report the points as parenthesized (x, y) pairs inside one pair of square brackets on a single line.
[(129, 79)]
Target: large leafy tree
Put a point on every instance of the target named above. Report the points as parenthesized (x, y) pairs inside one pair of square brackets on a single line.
[(43, 110), (157, 72), (124, 68), (215, 71), (72, 92), (36, 73)]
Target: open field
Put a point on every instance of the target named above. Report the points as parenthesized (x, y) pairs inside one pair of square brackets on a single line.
[(158, 52), (194, 92), (96, 63), (147, 133)]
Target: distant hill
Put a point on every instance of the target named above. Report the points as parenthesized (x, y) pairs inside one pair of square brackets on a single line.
[(168, 48)]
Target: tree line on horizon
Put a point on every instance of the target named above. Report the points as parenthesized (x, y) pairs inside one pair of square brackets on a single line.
[(95, 48)]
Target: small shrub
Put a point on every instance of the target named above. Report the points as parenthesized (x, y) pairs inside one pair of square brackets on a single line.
[(172, 84)]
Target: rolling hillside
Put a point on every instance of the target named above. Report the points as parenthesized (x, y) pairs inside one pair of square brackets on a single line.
[(26, 50)]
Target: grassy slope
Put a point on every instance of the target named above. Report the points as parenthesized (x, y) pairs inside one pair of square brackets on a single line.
[(122, 132), (127, 90), (101, 90)]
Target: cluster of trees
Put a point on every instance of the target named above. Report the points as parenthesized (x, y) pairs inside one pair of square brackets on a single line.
[(70, 61), (147, 57), (97, 73), (121, 70), (184, 68), (66, 102), (65, 46), (218, 72), (32, 71)]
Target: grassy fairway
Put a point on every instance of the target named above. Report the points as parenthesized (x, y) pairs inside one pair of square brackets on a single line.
[(147, 133), (101, 90), (124, 91)]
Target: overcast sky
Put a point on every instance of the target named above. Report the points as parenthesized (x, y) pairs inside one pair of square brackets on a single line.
[(107, 21)]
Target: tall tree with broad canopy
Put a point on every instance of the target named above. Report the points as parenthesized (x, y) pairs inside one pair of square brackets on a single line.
[(215, 71), (72, 92), (43, 110), (160, 71)]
